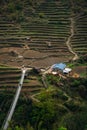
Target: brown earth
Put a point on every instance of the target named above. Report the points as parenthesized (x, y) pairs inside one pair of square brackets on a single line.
[(29, 57), (80, 69)]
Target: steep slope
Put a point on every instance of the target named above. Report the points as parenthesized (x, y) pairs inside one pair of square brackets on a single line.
[(79, 40), (42, 33)]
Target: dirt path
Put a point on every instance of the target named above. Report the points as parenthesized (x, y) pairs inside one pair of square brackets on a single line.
[(69, 39), (34, 98)]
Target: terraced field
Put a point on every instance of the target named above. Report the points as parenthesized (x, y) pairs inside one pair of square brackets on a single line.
[(10, 77), (49, 32), (79, 41), (44, 34), (52, 32), (40, 40)]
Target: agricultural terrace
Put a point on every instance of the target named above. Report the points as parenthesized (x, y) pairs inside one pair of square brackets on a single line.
[(40, 39)]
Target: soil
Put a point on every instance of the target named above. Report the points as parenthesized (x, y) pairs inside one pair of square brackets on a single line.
[(80, 69), (32, 58)]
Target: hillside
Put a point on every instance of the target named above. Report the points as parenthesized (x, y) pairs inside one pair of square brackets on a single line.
[(63, 103), (37, 34)]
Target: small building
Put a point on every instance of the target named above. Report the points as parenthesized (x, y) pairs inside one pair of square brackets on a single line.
[(58, 66), (67, 70)]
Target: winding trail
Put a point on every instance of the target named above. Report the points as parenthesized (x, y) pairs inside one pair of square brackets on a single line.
[(44, 80), (69, 39)]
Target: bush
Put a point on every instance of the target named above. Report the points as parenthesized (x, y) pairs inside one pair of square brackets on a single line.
[(60, 94), (11, 7), (76, 121), (41, 15), (82, 91), (75, 83), (18, 6), (72, 105)]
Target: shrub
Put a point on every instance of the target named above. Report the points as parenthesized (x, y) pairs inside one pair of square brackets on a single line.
[(75, 83), (82, 91), (76, 121), (18, 6), (72, 105), (41, 15), (11, 7)]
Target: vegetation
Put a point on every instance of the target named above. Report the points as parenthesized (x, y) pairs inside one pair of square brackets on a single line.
[(59, 105), (15, 9), (30, 128)]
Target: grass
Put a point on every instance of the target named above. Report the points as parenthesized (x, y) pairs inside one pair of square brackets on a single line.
[(26, 81), (70, 65)]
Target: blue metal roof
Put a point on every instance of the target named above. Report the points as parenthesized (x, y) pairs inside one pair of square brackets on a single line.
[(60, 66)]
